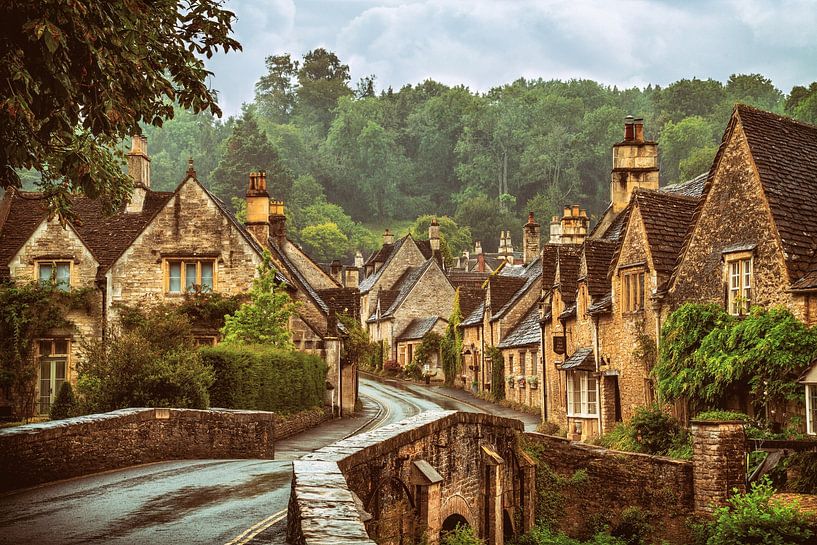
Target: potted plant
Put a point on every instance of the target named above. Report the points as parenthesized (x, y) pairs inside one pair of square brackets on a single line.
[(521, 380)]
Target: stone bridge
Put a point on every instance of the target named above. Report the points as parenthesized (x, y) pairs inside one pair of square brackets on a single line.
[(415, 480)]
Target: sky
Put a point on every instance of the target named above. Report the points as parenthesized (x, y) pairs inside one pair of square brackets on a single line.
[(483, 44)]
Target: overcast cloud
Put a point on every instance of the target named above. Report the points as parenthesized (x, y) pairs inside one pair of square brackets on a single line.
[(482, 44)]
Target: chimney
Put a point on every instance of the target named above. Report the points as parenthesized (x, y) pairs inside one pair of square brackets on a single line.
[(480, 261), (508, 248), (139, 171), (335, 269), (434, 235), (388, 237), (358, 259), (277, 221), (574, 225), (258, 208), (555, 230), (635, 164), (352, 279), (477, 247), (531, 235)]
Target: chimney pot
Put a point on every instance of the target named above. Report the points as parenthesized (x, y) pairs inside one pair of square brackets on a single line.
[(358, 259), (629, 133), (638, 124), (388, 237), (575, 212)]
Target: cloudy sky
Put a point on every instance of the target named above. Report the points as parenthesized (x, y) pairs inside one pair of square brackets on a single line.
[(482, 43)]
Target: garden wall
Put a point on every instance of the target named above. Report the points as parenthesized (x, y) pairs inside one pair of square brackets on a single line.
[(48, 451), (584, 485)]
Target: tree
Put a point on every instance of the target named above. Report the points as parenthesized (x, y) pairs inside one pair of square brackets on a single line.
[(79, 77), (485, 218), (322, 80), (324, 241), (265, 319), (755, 90), (681, 142), (275, 91), (452, 342), (247, 150), (453, 238)]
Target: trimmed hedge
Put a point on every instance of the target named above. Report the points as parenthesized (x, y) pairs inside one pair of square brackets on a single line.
[(256, 377)]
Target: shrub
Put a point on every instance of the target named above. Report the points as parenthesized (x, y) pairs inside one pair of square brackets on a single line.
[(65, 403), (265, 378), (497, 372), (718, 414), (541, 535), (151, 363), (550, 428), (755, 517), (654, 431), (462, 535), (633, 526)]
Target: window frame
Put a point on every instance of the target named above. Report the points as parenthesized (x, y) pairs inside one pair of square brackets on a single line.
[(633, 292), (584, 390), (183, 263), (745, 277), (811, 408), (52, 357), (38, 263)]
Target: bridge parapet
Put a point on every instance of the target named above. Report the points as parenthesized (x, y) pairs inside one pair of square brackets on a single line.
[(415, 479)]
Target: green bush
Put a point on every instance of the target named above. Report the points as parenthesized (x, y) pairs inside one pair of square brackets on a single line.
[(462, 535), (755, 517), (64, 405), (650, 431), (265, 378), (633, 526), (541, 535), (718, 414)]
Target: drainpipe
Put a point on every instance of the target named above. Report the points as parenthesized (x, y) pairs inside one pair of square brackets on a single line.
[(544, 411), (340, 382), (597, 357)]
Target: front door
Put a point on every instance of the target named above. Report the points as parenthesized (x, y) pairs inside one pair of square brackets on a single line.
[(53, 354)]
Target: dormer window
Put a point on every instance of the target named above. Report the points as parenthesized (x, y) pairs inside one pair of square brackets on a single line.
[(56, 273), (186, 275), (632, 290), (738, 263)]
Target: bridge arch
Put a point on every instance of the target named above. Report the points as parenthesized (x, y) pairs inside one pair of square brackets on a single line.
[(457, 506)]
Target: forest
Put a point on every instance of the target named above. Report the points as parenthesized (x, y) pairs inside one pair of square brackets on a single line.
[(351, 159)]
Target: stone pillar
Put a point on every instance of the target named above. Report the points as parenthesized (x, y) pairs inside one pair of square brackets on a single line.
[(428, 499), (493, 463), (718, 462), (527, 467)]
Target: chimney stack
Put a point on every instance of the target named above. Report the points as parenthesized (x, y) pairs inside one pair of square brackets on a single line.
[(531, 235), (335, 269), (277, 221), (358, 259), (434, 235), (635, 164), (508, 248), (388, 237), (258, 208), (480, 267), (477, 247), (574, 225), (139, 171), (555, 230)]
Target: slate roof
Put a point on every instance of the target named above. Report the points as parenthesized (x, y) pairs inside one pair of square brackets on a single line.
[(569, 256), (667, 219), (580, 360), (475, 318), (568, 312), (470, 299), (690, 188), (340, 301), (417, 328), (526, 332), (106, 236), (469, 279), (532, 273), (385, 254), (602, 305), (785, 153), (502, 289), (598, 253), (549, 258)]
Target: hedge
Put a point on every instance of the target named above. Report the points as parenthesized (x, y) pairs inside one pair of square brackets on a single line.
[(261, 378)]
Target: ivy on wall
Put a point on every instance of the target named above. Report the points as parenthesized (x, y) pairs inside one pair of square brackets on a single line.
[(706, 355), (497, 372)]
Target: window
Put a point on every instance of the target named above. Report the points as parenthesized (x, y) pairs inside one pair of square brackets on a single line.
[(581, 394), (534, 363), (510, 363), (811, 408), (522, 362), (632, 291), (184, 275), (740, 285), (52, 355), (57, 273)]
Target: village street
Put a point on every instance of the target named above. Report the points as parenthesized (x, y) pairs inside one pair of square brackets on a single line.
[(200, 501)]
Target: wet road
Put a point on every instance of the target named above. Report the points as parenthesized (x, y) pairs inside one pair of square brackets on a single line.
[(223, 502)]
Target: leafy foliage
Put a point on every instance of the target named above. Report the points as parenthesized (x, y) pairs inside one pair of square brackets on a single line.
[(755, 517), (27, 312), (81, 76), (461, 535), (542, 535), (65, 404), (265, 378), (453, 238), (265, 319), (452, 343), (706, 354), (650, 431), (357, 347), (152, 362), (497, 372)]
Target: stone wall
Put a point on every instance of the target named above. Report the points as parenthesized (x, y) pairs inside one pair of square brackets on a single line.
[(719, 462), (38, 453), (661, 487)]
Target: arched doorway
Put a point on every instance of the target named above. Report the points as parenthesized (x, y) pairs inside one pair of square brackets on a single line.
[(452, 522), (508, 531)]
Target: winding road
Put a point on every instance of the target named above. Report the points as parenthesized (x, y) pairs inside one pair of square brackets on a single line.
[(214, 502)]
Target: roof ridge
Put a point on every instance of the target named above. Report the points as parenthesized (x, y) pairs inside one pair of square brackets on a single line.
[(784, 118)]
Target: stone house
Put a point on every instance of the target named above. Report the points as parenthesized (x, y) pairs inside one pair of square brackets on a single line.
[(422, 292), (409, 341), (523, 359), (155, 250)]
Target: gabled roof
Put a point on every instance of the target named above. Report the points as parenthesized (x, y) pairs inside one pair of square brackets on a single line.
[(384, 255), (667, 219), (418, 327), (298, 279), (107, 236), (569, 256), (470, 299), (597, 255), (475, 318), (785, 153), (404, 285), (690, 188), (531, 274), (469, 278), (580, 360), (526, 332), (549, 259), (502, 289)]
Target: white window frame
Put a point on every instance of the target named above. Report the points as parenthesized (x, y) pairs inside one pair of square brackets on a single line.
[(739, 282), (53, 263), (587, 385), (811, 389)]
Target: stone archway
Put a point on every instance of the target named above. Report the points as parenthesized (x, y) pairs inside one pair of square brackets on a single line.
[(457, 506), (452, 522)]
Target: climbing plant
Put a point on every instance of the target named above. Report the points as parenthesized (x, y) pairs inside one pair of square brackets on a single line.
[(27, 312), (706, 354), (497, 372), (452, 343)]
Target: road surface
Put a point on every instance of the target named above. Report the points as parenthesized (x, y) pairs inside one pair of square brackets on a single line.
[(214, 502)]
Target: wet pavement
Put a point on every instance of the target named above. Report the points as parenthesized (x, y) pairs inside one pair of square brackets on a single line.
[(223, 502)]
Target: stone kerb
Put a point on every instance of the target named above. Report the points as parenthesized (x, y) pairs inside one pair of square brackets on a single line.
[(719, 462), (37, 453)]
